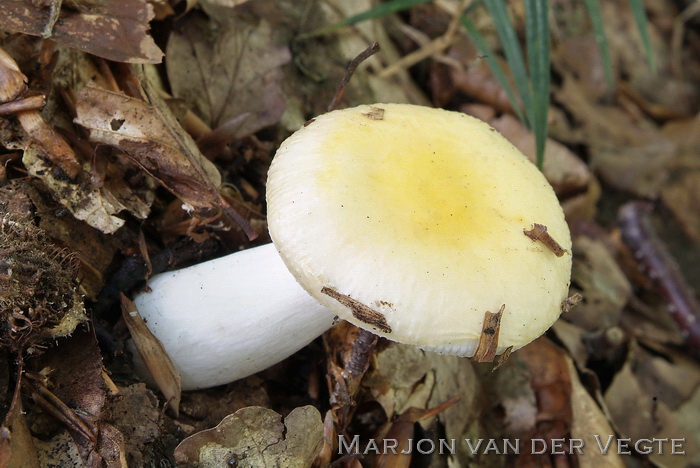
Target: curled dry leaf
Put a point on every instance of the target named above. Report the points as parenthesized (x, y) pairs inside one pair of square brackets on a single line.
[(350, 350), (543, 364), (152, 138), (589, 420), (113, 29), (12, 81), (405, 376), (254, 437), (16, 444), (226, 67), (644, 399), (97, 206), (153, 355), (402, 431)]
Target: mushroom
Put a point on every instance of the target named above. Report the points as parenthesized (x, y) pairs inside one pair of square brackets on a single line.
[(408, 221)]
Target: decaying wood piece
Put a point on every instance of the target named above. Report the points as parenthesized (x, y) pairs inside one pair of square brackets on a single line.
[(539, 233), (488, 341)]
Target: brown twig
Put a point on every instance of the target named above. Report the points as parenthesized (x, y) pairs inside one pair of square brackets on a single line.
[(54, 406), (364, 55), (21, 105), (655, 260)]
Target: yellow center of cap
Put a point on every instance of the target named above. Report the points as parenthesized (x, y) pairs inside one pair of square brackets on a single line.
[(434, 192)]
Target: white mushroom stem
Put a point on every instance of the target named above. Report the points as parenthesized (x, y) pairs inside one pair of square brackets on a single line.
[(228, 318)]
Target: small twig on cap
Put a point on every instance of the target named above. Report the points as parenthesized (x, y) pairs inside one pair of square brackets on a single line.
[(360, 311), (488, 341), (539, 233), (364, 55), (570, 302)]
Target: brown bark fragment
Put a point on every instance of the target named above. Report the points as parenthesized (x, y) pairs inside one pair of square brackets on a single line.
[(360, 311), (539, 233), (488, 341), (375, 113)]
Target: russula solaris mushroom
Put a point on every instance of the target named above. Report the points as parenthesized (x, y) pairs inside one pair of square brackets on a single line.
[(408, 221)]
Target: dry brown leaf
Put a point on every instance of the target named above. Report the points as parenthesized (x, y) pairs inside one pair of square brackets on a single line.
[(350, 350), (579, 56), (589, 420), (687, 420), (605, 289), (12, 80), (227, 67), (255, 437), (551, 383), (398, 370), (511, 384), (643, 396), (153, 355), (402, 430), (152, 138), (97, 206), (73, 372), (50, 144), (113, 29), (455, 376), (16, 445), (680, 193), (405, 376)]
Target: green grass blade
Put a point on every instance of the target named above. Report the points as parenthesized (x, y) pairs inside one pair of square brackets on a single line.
[(379, 11), (513, 53), (538, 56), (495, 66), (594, 12), (640, 17)]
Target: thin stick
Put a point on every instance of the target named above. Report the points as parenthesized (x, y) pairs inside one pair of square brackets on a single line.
[(21, 105), (364, 55)]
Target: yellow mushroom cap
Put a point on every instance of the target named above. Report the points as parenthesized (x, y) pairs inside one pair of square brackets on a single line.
[(409, 221)]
